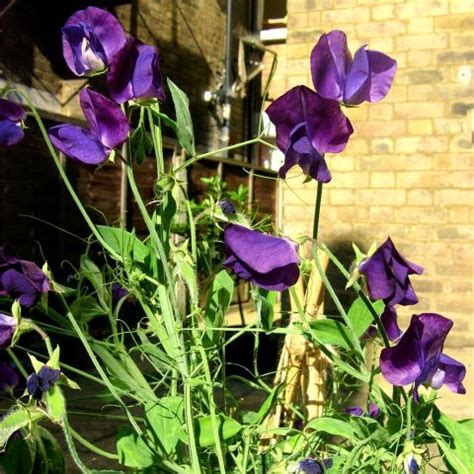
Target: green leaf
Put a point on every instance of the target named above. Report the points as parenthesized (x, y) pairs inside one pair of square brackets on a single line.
[(459, 440), (183, 118), (132, 450), (53, 361), (187, 273), (89, 270), (86, 308), (56, 404), (165, 421), (14, 421), (141, 144), (332, 426), (228, 427), (169, 122), (361, 317), (217, 304), (265, 301), (18, 457), (330, 331), (51, 460), (124, 243), (269, 403)]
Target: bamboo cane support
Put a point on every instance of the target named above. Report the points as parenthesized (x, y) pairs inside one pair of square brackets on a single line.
[(302, 367)]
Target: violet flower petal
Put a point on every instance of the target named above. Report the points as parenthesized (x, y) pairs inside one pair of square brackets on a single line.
[(106, 120), (11, 133), (79, 144), (135, 73), (267, 261), (7, 330), (103, 34), (355, 410), (374, 410), (11, 111), (330, 62), (9, 378), (389, 321), (17, 286), (454, 373)]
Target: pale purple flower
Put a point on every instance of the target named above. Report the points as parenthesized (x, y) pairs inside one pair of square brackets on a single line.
[(387, 275), (91, 38), (135, 73), (266, 261), (7, 330), (357, 410), (418, 359), (11, 116), (21, 279), (367, 77), (108, 128), (307, 127)]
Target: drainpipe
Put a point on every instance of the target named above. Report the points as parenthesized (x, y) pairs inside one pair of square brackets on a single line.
[(226, 107)]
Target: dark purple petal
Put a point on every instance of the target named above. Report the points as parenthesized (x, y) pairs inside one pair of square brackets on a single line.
[(9, 378), (17, 286), (47, 376), (7, 330), (32, 384), (118, 292), (11, 133), (135, 73), (227, 207), (79, 144), (11, 111), (106, 120), (91, 37), (355, 411), (357, 85), (403, 364), (374, 410), (454, 373), (7, 257), (417, 356), (387, 274), (389, 321), (330, 62), (268, 262)]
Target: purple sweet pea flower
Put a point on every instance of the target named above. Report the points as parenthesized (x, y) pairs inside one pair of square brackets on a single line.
[(357, 410), (118, 292), (266, 261), (387, 274), (11, 115), (308, 126), (410, 465), (367, 77), (313, 466), (7, 330), (41, 382), (228, 207), (417, 358), (9, 378), (135, 73), (108, 128), (21, 279), (91, 38)]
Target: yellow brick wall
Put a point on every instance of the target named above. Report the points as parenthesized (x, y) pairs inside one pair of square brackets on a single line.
[(407, 170)]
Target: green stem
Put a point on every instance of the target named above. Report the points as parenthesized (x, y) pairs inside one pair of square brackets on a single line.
[(215, 152), (18, 364), (97, 365), (360, 293), (354, 339), (157, 139), (91, 447), (188, 410), (72, 448), (409, 417), (44, 336), (317, 210)]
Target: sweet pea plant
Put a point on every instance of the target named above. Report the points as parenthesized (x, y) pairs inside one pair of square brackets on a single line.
[(165, 369)]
